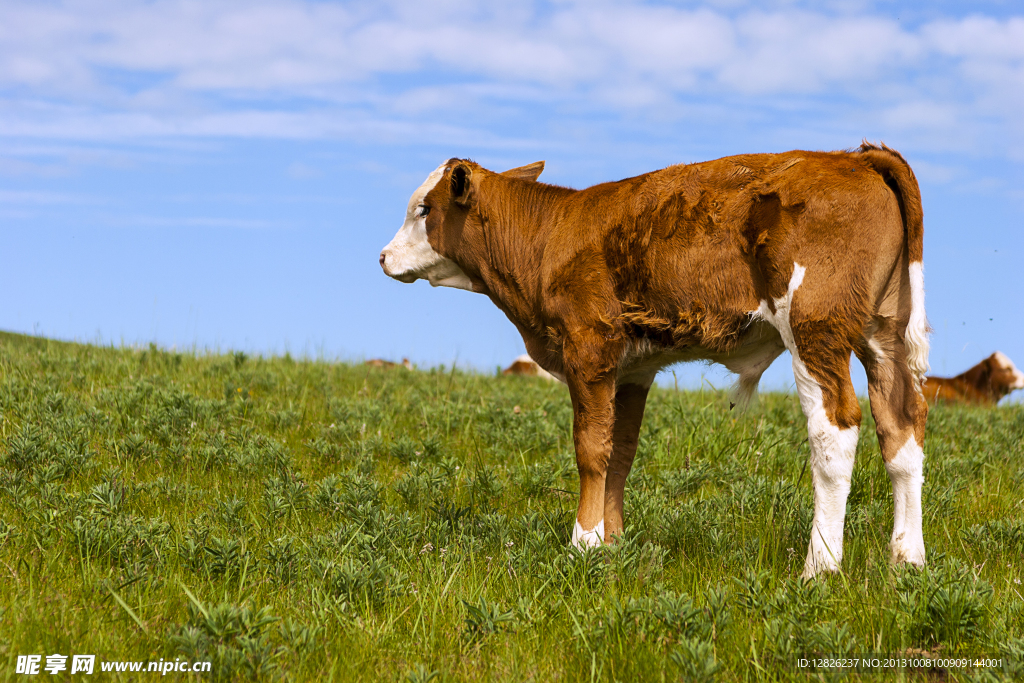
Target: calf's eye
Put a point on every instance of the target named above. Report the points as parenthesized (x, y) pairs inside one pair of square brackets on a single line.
[(424, 210)]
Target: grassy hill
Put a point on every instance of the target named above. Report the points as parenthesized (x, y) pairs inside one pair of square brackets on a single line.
[(305, 520)]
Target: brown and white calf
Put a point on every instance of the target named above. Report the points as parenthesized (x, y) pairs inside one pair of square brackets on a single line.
[(528, 367), (984, 384), (387, 364), (733, 261)]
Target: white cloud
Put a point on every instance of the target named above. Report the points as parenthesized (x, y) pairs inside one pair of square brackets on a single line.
[(292, 68), (193, 222), (803, 52), (935, 173), (978, 37), (12, 165), (922, 115), (36, 197), (301, 171), (661, 43)]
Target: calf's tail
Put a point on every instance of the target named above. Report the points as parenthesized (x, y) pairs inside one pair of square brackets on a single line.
[(896, 172)]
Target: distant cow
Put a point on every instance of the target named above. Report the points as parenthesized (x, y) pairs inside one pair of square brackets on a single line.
[(984, 384), (524, 365), (732, 261), (387, 365)]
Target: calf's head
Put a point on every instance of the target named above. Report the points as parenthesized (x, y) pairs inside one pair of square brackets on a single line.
[(1004, 376), (439, 213)]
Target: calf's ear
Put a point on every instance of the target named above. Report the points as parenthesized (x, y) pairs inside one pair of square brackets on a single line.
[(528, 172), (462, 185)]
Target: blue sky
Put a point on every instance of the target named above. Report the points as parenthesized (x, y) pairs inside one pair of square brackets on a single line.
[(223, 175)]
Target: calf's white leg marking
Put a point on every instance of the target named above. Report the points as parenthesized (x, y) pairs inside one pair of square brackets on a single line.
[(832, 448), (588, 539), (906, 471)]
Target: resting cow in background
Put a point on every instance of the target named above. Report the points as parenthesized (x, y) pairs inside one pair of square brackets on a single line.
[(732, 261), (524, 365), (984, 384), (387, 365)]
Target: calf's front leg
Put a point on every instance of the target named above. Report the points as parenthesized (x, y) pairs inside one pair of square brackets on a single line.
[(630, 401), (593, 418)]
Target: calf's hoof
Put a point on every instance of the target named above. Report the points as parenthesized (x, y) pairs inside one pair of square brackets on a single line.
[(588, 539), (822, 556), (907, 551), (822, 566)]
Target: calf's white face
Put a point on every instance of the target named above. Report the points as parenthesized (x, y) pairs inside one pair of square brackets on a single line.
[(1016, 376), (409, 257)]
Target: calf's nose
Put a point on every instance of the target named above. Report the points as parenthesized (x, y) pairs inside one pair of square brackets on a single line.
[(383, 257)]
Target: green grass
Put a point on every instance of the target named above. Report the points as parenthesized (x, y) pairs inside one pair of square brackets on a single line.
[(308, 520)]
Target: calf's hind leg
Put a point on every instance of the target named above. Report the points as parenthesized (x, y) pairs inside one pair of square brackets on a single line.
[(900, 414), (821, 365), (833, 426)]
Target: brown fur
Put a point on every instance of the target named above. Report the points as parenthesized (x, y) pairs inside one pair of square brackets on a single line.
[(609, 283), (984, 385), (522, 367), (527, 367), (387, 365)]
